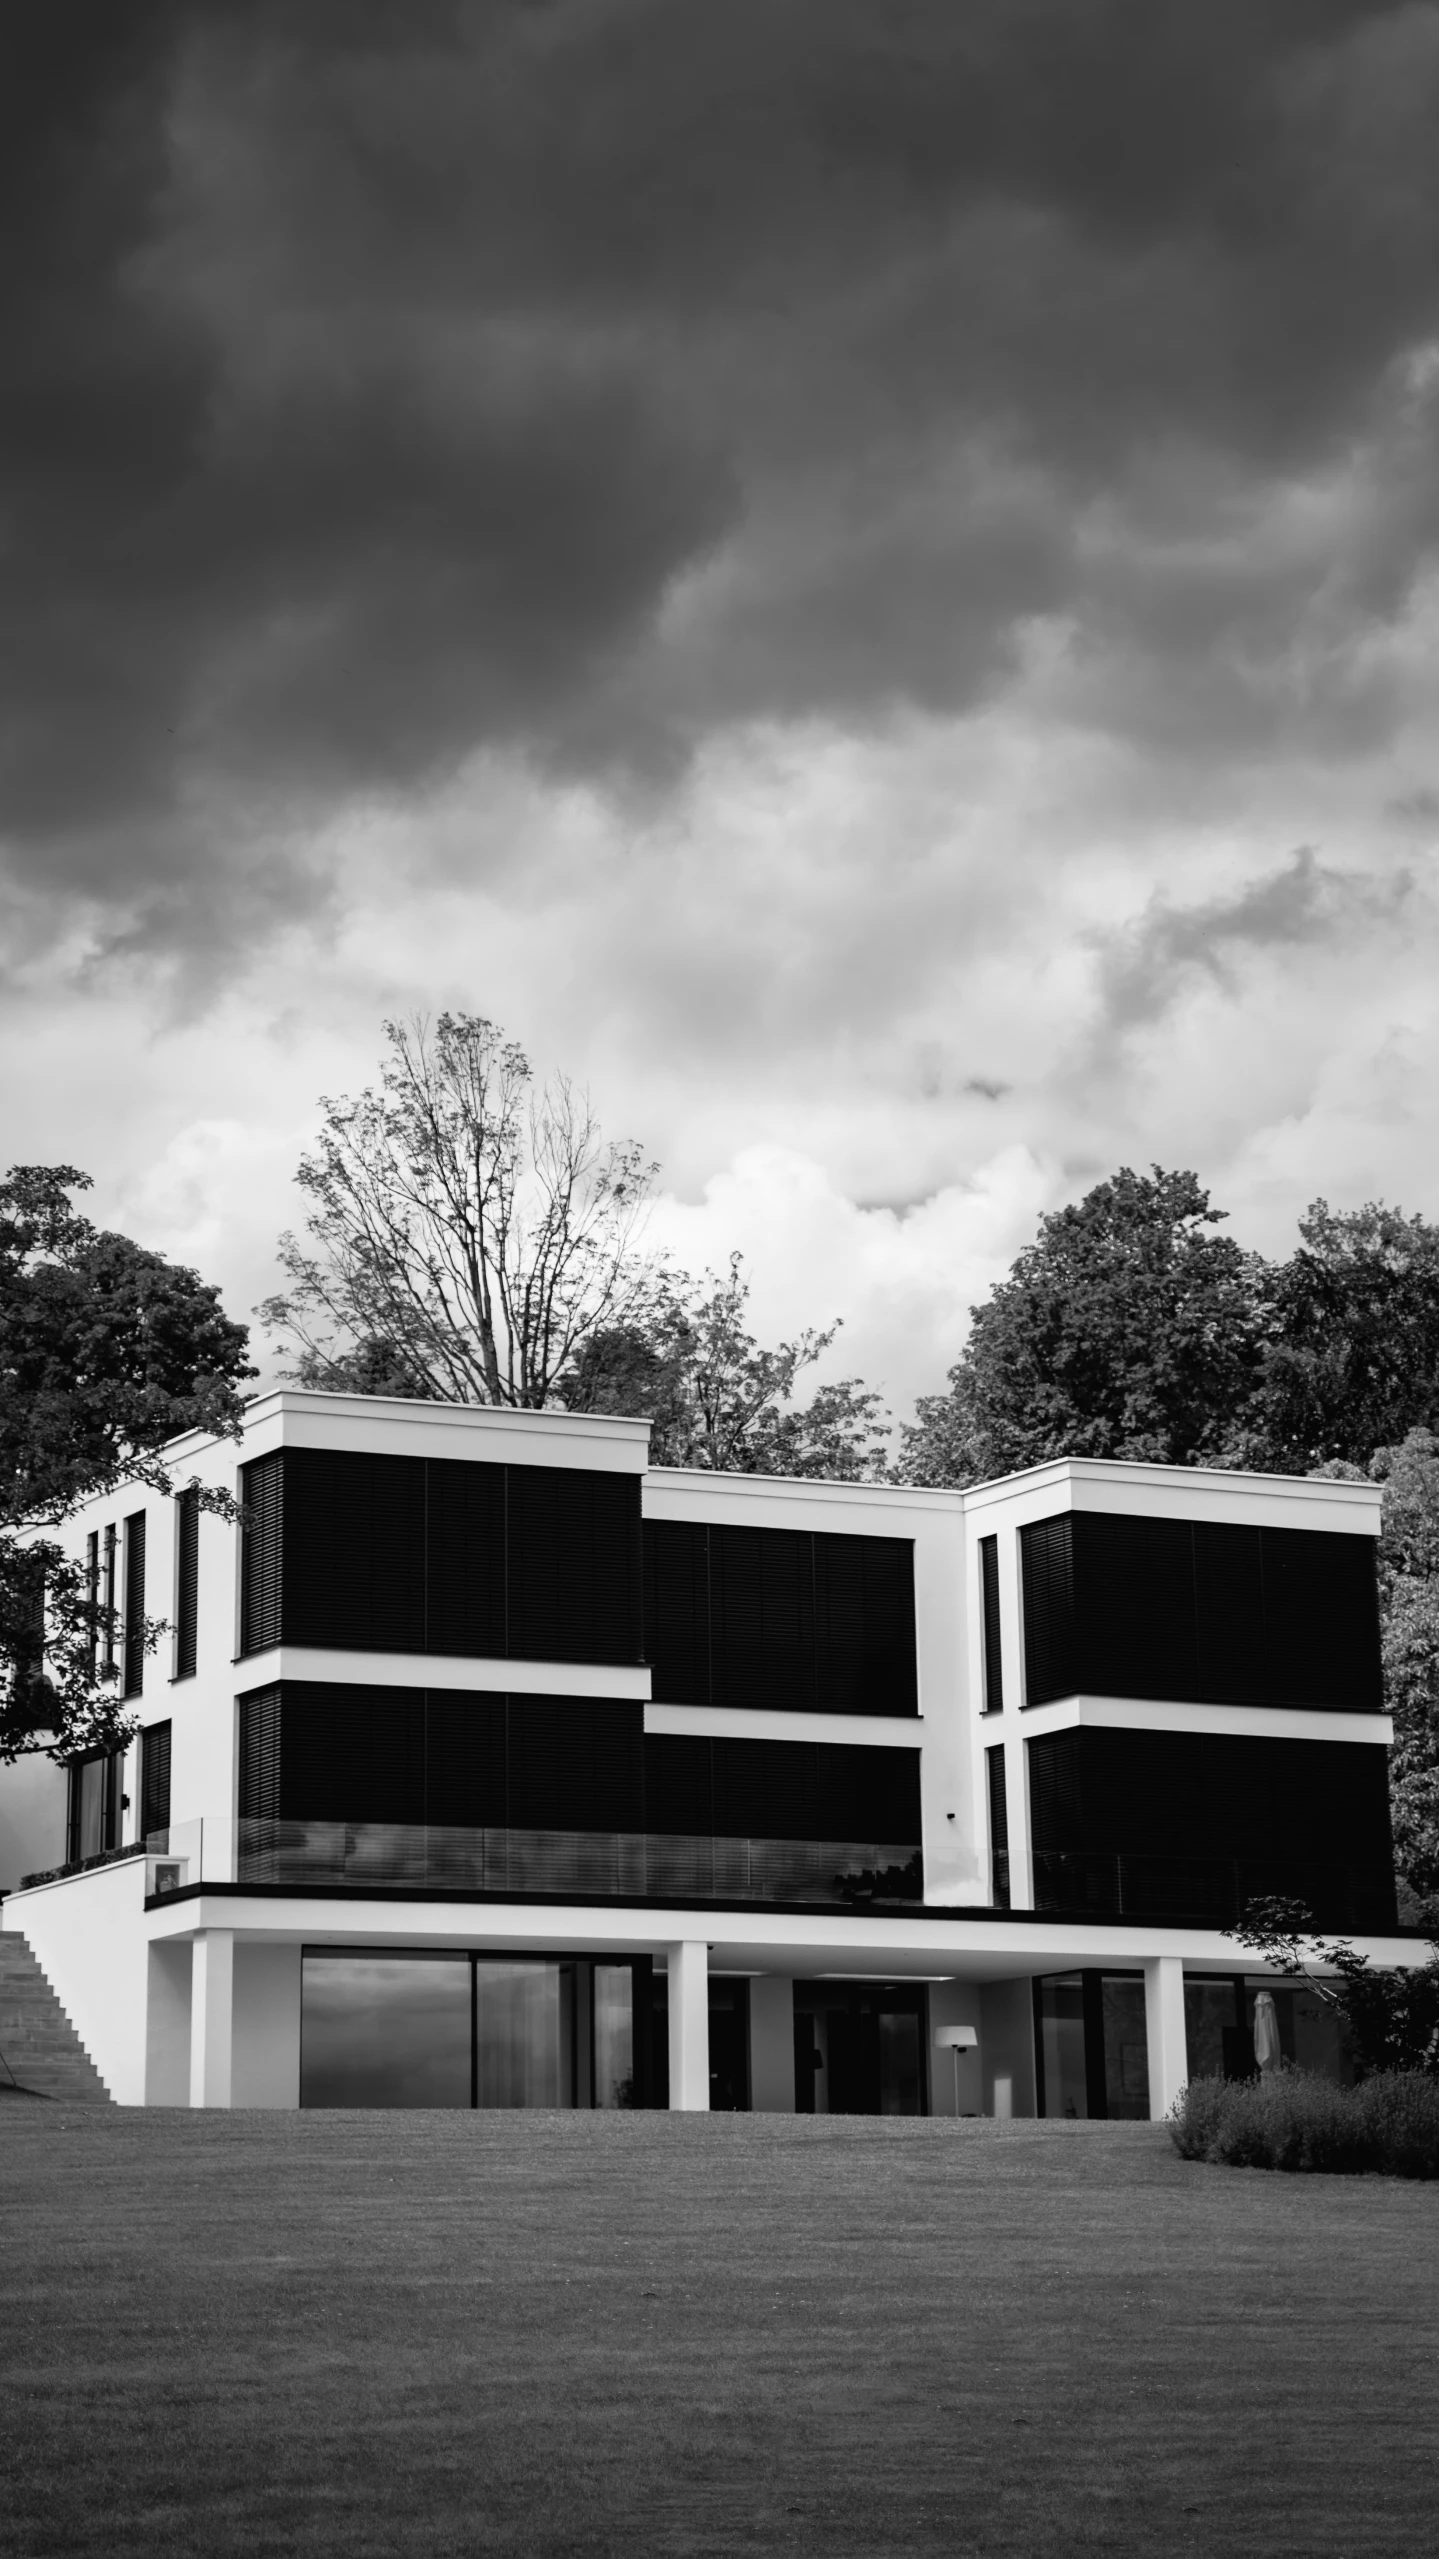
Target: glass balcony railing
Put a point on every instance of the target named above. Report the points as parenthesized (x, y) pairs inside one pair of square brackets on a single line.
[(1207, 1891), (625, 1864)]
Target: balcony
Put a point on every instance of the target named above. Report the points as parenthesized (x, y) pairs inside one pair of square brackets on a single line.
[(630, 1866)]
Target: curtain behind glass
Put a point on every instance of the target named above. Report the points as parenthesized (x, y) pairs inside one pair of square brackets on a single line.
[(524, 2019)]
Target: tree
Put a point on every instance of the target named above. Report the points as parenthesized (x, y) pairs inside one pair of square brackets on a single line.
[(1409, 1623), (1392, 2016), (468, 1235), (106, 1352), (1127, 1329), (718, 1400), (1351, 1362)]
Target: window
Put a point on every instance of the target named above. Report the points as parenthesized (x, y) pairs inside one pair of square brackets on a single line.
[(134, 1662), (1200, 1611), (989, 1598), (187, 1581), (109, 1597), (345, 1783), (92, 1598), (457, 2030), (443, 1556), (93, 1827), (1190, 1826), (772, 1617), (154, 1780), (998, 1826), (1092, 2047)]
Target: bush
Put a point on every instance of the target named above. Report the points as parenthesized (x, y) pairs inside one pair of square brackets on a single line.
[(1295, 2120)]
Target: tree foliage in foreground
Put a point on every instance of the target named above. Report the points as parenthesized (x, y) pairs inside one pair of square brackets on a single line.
[(1392, 2016), (106, 1352)]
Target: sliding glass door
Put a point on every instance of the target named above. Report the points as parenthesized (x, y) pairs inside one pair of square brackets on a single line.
[(461, 2030)]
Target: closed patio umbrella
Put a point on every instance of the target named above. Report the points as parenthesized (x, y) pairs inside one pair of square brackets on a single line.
[(1266, 2031)]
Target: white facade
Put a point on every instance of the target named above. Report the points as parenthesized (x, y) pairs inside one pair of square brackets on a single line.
[(192, 1996)]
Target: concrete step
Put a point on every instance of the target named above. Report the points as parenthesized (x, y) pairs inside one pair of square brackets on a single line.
[(39, 2047)]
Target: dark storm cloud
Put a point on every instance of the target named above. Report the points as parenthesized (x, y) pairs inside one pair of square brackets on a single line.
[(386, 381)]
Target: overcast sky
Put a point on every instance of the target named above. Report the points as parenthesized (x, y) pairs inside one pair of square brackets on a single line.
[(861, 576)]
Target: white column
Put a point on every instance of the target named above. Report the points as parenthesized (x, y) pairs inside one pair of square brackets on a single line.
[(689, 2020), (1164, 2027), (212, 2017)]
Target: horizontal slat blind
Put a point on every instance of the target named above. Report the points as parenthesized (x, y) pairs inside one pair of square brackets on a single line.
[(990, 1625), (262, 1493), (154, 1779), (260, 1736), (187, 1582), (1199, 1611), (780, 1618), (134, 1662), (359, 1754)]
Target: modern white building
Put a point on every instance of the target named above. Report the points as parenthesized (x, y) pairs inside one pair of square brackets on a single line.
[(485, 1765)]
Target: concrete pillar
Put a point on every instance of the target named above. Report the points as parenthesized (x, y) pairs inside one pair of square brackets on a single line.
[(1164, 2027), (771, 2045), (212, 2018), (689, 2020)]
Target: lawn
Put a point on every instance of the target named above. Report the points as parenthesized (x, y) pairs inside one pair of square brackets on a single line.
[(671, 2335)]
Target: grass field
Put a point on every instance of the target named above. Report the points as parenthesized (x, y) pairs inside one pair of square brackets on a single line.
[(673, 2335)]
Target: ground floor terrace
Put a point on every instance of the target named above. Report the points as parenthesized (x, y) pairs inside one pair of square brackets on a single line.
[(226, 1995)]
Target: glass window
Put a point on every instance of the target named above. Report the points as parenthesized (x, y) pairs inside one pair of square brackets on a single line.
[(859, 2047), (614, 2035), (385, 2030), (524, 2033), (1126, 2050), (1061, 2046)]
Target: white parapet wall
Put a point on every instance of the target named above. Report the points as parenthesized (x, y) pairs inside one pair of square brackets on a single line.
[(87, 1935)]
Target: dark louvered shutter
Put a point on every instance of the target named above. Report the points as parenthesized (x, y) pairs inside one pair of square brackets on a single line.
[(1321, 1620), (869, 1795), (677, 1610), (134, 1663), (864, 1625), (679, 1785), (576, 1763), (1229, 1614), (1046, 1558), (1134, 1606), (989, 1606), (352, 1753), (260, 1755), (998, 1825), (1184, 1823), (762, 1617), (766, 1790), (574, 1565), (154, 1780), (465, 1754), (1055, 1810), (92, 1599), (262, 1494), (354, 1550), (187, 1582), (465, 1559)]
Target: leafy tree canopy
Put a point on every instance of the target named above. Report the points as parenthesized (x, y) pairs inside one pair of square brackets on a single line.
[(719, 1400), (106, 1353), (1352, 1339), (1129, 1328)]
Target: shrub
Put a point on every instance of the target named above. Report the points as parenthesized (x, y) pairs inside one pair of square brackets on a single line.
[(1296, 2120)]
